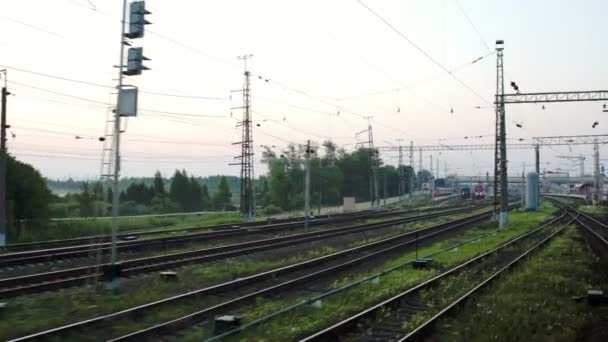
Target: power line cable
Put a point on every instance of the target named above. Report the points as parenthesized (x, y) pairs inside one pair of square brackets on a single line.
[(174, 142), (109, 104), (415, 83), (33, 27), (128, 160), (93, 84), (464, 13), (422, 51)]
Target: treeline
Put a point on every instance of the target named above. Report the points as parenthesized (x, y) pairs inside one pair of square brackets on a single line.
[(334, 174), (63, 187), (183, 194)]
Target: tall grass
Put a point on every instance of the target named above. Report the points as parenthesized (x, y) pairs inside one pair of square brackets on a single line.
[(536, 297), (89, 227)]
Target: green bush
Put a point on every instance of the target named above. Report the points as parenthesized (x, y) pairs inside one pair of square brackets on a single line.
[(271, 210)]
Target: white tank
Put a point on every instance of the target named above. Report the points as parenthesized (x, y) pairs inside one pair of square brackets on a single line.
[(532, 191)]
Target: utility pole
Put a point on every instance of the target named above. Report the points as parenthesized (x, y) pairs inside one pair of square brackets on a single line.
[(419, 168), (401, 172), (597, 175), (247, 195), (537, 169), (411, 171), (309, 151), (432, 177), (523, 186), (126, 103), (384, 197), (3, 165), (320, 186), (373, 159), (501, 194), (437, 167), (116, 136)]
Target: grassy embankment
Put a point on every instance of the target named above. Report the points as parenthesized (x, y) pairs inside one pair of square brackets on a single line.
[(535, 297), (307, 319), (90, 227), (28, 314)]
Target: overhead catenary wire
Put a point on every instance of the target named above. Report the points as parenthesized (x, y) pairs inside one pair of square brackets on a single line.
[(141, 155), (423, 52), (340, 108), (126, 159), (109, 104), (415, 83), (464, 13), (140, 140), (37, 28), (105, 86)]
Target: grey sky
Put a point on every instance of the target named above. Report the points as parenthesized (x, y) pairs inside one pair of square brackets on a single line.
[(336, 52)]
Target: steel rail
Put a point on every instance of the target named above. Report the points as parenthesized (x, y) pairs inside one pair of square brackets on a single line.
[(419, 330), (54, 254), (230, 226), (63, 278), (394, 242), (333, 332)]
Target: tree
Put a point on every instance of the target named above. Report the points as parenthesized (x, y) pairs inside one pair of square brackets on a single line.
[(222, 198), (139, 193), (205, 198), (424, 176), (87, 201), (194, 196), (178, 191), (28, 193), (158, 185), (163, 205)]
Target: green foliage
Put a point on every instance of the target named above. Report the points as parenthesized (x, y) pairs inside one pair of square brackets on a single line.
[(271, 210), (186, 192), (222, 200), (307, 319), (536, 298), (70, 186), (158, 185), (29, 314), (27, 195), (139, 193), (333, 176), (163, 205)]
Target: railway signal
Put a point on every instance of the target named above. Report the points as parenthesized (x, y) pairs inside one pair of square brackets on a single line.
[(137, 19), (135, 62), (126, 106)]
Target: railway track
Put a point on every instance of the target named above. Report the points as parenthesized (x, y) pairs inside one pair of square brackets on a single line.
[(592, 225), (83, 251), (39, 282), (243, 290), (85, 240), (130, 235), (395, 319)]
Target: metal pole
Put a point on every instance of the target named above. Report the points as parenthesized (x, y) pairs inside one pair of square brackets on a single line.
[(115, 194), (307, 187), (501, 142), (411, 171), (374, 166), (320, 186), (523, 186), (3, 165), (596, 174), (432, 185), (401, 172), (537, 168)]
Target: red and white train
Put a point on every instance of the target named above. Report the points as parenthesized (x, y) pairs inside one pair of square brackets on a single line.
[(479, 192)]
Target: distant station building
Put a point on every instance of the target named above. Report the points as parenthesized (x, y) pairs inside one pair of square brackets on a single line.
[(585, 189)]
